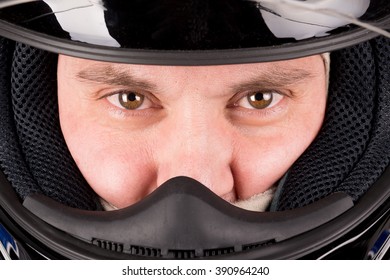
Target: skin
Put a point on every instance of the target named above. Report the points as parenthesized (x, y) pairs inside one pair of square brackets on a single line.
[(194, 121)]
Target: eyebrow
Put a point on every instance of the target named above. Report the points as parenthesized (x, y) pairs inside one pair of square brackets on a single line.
[(110, 75), (276, 77), (272, 78)]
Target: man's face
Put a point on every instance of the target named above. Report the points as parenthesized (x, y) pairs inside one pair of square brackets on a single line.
[(236, 128)]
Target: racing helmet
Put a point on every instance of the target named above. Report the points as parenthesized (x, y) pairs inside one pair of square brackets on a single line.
[(334, 202)]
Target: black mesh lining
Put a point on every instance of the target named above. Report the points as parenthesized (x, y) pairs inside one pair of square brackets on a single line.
[(349, 154), (352, 149), (46, 163), (11, 159)]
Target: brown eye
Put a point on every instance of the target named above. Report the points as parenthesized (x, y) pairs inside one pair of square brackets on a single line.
[(260, 100), (131, 100)]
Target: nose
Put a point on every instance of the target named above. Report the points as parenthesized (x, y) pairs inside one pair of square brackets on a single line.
[(197, 145)]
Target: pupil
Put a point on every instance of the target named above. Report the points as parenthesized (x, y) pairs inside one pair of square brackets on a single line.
[(259, 96), (131, 97)]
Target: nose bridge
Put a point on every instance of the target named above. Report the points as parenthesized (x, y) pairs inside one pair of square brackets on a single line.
[(197, 123), (197, 136), (196, 132), (197, 146)]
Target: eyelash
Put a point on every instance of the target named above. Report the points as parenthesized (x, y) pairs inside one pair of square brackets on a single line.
[(244, 102), (117, 109), (114, 99)]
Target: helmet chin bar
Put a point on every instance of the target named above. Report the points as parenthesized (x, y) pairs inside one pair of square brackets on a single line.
[(184, 219)]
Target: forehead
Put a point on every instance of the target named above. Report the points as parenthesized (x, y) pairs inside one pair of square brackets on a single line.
[(78, 65)]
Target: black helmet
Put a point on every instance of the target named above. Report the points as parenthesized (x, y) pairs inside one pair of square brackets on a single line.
[(334, 202)]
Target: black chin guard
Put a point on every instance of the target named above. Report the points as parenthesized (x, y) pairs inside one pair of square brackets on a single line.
[(184, 219)]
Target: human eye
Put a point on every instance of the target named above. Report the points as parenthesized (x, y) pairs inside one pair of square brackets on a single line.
[(129, 100), (259, 100)]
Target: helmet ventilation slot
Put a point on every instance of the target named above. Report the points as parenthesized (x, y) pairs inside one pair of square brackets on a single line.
[(257, 245), (181, 254), (218, 251), (108, 245), (144, 251)]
